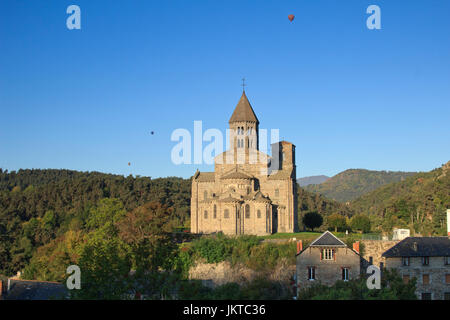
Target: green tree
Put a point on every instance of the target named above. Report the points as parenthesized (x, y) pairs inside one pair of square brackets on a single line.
[(360, 223), (312, 220), (105, 265), (337, 222)]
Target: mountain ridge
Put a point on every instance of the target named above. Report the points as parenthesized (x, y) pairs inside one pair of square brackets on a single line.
[(353, 183)]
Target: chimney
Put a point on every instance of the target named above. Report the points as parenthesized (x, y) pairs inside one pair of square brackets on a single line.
[(299, 246), (448, 222), (356, 246)]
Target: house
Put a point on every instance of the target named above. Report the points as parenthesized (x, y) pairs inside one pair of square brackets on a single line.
[(428, 260), (400, 234), (326, 260)]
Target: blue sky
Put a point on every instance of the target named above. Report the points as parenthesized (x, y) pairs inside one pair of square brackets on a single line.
[(346, 96)]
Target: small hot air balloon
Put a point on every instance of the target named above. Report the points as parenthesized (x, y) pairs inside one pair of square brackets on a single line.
[(152, 132), (129, 163), (291, 17)]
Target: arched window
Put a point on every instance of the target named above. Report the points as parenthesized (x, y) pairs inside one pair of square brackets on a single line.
[(226, 213), (205, 195), (258, 214), (205, 214), (247, 211), (215, 212), (239, 143)]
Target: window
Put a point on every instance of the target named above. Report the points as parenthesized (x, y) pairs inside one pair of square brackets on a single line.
[(258, 214), (405, 261), (447, 296), (226, 214), (311, 273), (327, 254), (205, 214), (406, 278), (426, 296), (247, 211), (277, 193), (426, 279), (447, 278), (446, 260), (345, 274), (215, 212), (425, 261)]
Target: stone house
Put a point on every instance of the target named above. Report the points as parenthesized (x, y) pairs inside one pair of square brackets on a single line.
[(326, 260), (428, 260), (249, 192)]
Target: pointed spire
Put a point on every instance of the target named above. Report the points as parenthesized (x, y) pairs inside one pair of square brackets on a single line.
[(243, 111)]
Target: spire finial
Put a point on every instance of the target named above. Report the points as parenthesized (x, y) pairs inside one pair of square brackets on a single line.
[(243, 84)]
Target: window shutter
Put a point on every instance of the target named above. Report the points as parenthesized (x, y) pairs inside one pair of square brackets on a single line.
[(321, 255), (334, 254)]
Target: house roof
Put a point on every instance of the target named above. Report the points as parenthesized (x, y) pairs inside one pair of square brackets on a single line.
[(243, 111), (35, 290), (327, 239), (420, 247)]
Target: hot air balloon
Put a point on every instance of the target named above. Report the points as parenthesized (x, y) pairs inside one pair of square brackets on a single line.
[(152, 132), (291, 17), (129, 163)]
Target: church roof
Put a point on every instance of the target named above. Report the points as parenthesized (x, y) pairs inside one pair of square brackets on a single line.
[(243, 111), (230, 199), (327, 239), (237, 175), (204, 176), (259, 197), (279, 175)]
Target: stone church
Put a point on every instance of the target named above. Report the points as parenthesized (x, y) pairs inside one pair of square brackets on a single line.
[(249, 192)]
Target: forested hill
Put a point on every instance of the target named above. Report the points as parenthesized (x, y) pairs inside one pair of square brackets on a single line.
[(353, 183), (419, 202), (38, 208), (305, 181)]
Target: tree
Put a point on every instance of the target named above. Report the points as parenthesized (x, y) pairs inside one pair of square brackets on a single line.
[(312, 220), (360, 223), (337, 221), (146, 230), (105, 266)]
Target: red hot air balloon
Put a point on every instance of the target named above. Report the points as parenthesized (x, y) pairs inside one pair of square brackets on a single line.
[(291, 17)]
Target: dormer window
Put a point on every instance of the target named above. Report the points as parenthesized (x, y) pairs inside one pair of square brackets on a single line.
[(328, 254)]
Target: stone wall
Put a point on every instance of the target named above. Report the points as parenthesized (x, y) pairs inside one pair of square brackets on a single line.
[(375, 248), (223, 272)]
